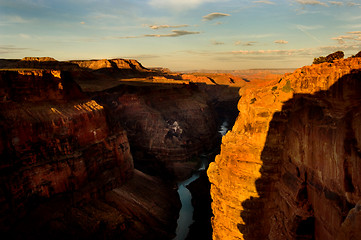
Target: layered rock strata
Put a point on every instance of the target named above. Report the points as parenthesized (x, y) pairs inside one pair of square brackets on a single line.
[(55, 144), (166, 126), (290, 167)]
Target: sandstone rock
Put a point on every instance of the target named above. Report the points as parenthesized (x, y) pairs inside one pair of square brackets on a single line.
[(39, 59), (113, 63), (289, 169)]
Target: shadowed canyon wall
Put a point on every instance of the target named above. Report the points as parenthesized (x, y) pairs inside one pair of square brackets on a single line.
[(290, 167), (66, 171)]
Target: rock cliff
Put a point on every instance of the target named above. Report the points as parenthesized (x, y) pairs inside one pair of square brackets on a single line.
[(290, 167), (66, 171)]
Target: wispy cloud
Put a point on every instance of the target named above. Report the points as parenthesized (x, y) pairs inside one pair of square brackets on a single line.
[(311, 2), (293, 52), (249, 43), (180, 4), (281, 41), (268, 52), (175, 33), (214, 15), (155, 27), (265, 2), (25, 36), (217, 43), (305, 29), (313, 27), (336, 3), (354, 36), (351, 4), (355, 32), (5, 49), (12, 19)]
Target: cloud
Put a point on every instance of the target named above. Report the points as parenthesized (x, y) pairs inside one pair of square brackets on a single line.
[(281, 41), (4, 49), (351, 4), (249, 43), (311, 2), (336, 3), (355, 32), (25, 36), (12, 19), (269, 52), (296, 52), (217, 43), (214, 15), (155, 27), (180, 4), (265, 2), (313, 27), (354, 37), (304, 29), (175, 33)]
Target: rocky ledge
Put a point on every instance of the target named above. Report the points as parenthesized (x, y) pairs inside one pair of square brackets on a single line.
[(290, 167)]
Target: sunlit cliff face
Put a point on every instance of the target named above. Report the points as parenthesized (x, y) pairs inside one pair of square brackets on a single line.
[(290, 167)]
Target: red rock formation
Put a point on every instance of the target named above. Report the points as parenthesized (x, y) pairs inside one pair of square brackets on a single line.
[(113, 63), (215, 79), (290, 167), (166, 125), (54, 141)]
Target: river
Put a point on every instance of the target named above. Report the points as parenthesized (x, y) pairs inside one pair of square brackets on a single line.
[(185, 219)]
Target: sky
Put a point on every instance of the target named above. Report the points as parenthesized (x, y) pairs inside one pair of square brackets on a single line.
[(182, 34)]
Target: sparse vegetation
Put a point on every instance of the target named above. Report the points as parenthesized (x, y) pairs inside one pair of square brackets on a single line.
[(287, 87), (329, 58), (357, 54)]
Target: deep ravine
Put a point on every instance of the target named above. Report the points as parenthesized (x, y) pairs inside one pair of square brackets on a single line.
[(186, 213)]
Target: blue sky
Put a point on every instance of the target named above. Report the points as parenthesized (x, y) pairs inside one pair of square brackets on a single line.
[(182, 34)]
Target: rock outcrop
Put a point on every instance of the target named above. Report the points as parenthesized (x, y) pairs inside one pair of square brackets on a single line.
[(112, 63), (290, 167)]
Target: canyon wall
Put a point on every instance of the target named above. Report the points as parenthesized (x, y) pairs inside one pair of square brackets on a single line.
[(166, 126), (290, 167), (66, 171), (54, 140)]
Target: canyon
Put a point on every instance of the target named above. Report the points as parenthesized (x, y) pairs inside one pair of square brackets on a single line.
[(93, 149), (290, 166)]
